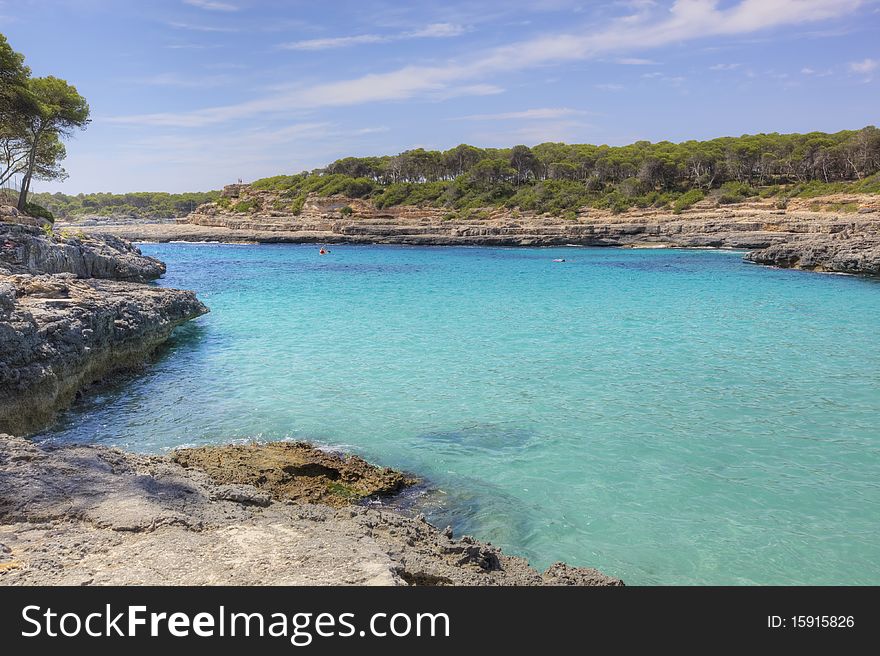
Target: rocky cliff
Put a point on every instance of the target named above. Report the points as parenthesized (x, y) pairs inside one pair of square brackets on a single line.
[(74, 310), (832, 233), (31, 250)]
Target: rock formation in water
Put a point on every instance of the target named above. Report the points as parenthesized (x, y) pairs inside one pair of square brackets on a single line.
[(73, 311), (810, 233), (91, 515), (846, 252)]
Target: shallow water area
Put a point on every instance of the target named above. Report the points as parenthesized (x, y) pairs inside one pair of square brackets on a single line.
[(667, 416)]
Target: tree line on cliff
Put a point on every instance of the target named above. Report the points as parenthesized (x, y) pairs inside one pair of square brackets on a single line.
[(559, 178), (36, 114)]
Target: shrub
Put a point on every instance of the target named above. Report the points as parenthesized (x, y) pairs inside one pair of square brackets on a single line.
[(687, 200), (244, 206), (346, 211), (39, 211)]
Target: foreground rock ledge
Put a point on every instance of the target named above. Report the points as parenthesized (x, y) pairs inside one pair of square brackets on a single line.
[(73, 311), (91, 515)]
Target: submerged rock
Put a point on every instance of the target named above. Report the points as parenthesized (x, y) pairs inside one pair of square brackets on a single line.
[(296, 471)]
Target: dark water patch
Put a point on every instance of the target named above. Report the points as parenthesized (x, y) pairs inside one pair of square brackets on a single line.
[(483, 437), (473, 507)]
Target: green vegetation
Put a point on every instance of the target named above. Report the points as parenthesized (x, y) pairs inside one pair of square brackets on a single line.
[(142, 205), (559, 179), (39, 211), (687, 200), (244, 206), (36, 114)]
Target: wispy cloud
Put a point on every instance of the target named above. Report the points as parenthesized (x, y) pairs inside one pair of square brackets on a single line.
[(637, 61), (437, 31), (334, 42), (806, 70), (183, 82), (543, 113), (724, 67), (201, 28), (211, 5), (864, 67), (432, 31), (649, 27), (610, 86), (189, 46)]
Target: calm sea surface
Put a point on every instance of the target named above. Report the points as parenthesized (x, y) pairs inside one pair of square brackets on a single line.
[(665, 416)]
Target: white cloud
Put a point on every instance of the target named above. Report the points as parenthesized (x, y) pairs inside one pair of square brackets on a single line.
[(637, 61), (609, 86), (650, 27), (864, 67), (201, 28), (432, 31), (437, 30), (806, 70), (724, 67), (210, 5), (334, 42), (528, 114)]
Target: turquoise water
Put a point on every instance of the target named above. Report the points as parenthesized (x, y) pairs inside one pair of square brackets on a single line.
[(672, 417)]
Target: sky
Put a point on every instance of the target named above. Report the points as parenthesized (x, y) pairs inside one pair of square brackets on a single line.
[(190, 95)]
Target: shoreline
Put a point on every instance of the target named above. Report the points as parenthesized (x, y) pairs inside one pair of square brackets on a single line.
[(800, 237), (75, 312), (256, 514)]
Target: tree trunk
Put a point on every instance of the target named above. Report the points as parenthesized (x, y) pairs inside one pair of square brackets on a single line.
[(29, 174)]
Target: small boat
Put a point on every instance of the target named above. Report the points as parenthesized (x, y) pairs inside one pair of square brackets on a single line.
[(559, 260)]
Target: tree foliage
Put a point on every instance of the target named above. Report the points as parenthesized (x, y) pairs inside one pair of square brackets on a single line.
[(36, 114), (140, 205), (559, 178)]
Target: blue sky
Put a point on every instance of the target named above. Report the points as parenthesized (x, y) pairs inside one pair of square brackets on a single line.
[(193, 94)]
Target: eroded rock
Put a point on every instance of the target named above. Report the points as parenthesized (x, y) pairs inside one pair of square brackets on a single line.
[(86, 514)]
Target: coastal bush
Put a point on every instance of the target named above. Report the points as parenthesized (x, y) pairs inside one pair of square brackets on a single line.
[(296, 205), (735, 192), (245, 206), (39, 211), (346, 211), (687, 200)]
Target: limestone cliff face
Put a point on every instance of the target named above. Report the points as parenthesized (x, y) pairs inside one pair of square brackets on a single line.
[(71, 314), (840, 253), (810, 233), (27, 249)]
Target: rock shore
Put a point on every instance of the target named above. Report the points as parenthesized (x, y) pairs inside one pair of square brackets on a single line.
[(82, 515), (808, 233), (74, 311)]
